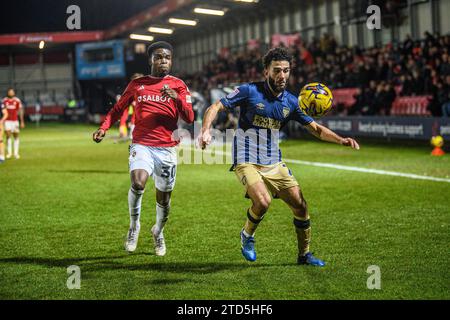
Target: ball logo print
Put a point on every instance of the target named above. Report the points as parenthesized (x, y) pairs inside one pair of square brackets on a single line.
[(316, 90)]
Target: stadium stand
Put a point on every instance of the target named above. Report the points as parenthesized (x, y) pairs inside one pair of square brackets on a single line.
[(413, 76), (407, 106), (47, 81), (345, 97)]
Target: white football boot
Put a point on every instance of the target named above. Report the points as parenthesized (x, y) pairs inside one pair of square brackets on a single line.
[(132, 239), (158, 241)]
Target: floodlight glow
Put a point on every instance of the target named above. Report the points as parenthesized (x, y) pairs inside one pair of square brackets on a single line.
[(141, 37), (183, 21), (160, 30), (209, 11)]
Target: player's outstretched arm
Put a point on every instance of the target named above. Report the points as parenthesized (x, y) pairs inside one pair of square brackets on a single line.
[(98, 135), (325, 134), (115, 113), (208, 119)]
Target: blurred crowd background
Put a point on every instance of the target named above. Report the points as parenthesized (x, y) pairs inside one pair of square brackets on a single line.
[(380, 73)]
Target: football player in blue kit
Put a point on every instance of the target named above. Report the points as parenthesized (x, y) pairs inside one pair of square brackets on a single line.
[(265, 107)]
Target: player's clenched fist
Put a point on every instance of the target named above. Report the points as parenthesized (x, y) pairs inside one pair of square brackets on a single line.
[(98, 135), (349, 142), (167, 92), (205, 138)]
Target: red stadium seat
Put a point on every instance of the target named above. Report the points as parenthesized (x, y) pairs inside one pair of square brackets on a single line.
[(344, 96), (402, 106), (411, 106), (56, 110)]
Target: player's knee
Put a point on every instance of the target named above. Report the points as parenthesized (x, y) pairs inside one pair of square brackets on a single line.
[(164, 204), (262, 204), (301, 209), (163, 198), (138, 185), (164, 201)]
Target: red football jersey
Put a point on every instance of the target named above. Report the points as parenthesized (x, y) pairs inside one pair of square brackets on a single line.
[(133, 116), (124, 118), (156, 117), (12, 105)]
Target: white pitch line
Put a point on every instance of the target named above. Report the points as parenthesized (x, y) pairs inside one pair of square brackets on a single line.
[(365, 170), (357, 169)]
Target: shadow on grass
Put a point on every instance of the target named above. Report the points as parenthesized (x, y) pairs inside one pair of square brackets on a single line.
[(51, 262), (94, 171), (114, 263)]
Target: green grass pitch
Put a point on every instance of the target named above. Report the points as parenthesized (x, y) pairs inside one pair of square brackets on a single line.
[(65, 203)]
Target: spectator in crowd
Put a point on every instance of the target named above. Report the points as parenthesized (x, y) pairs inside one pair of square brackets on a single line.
[(444, 68), (389, 98), (360, 103), (407, 85), (440, 103), (379, 100), (413, 67)]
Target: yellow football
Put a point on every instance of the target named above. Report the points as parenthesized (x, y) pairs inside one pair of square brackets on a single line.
[(315, 99)]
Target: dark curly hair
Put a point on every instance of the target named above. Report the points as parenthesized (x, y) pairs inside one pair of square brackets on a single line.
[(276, 54), (159, 45)]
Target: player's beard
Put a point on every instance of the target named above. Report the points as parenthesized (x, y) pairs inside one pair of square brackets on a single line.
[(160, 72), (164, 72), (276, 88)]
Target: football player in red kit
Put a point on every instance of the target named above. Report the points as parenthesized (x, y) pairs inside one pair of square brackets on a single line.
[(160, 100), (15, 111)]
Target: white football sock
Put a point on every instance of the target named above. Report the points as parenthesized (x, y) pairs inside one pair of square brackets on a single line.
[(134, 205), (162, 214), (16, 146), (247, 234), (9, 145)]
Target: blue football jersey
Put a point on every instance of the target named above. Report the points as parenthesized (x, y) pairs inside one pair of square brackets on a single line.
[(261, 117)]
